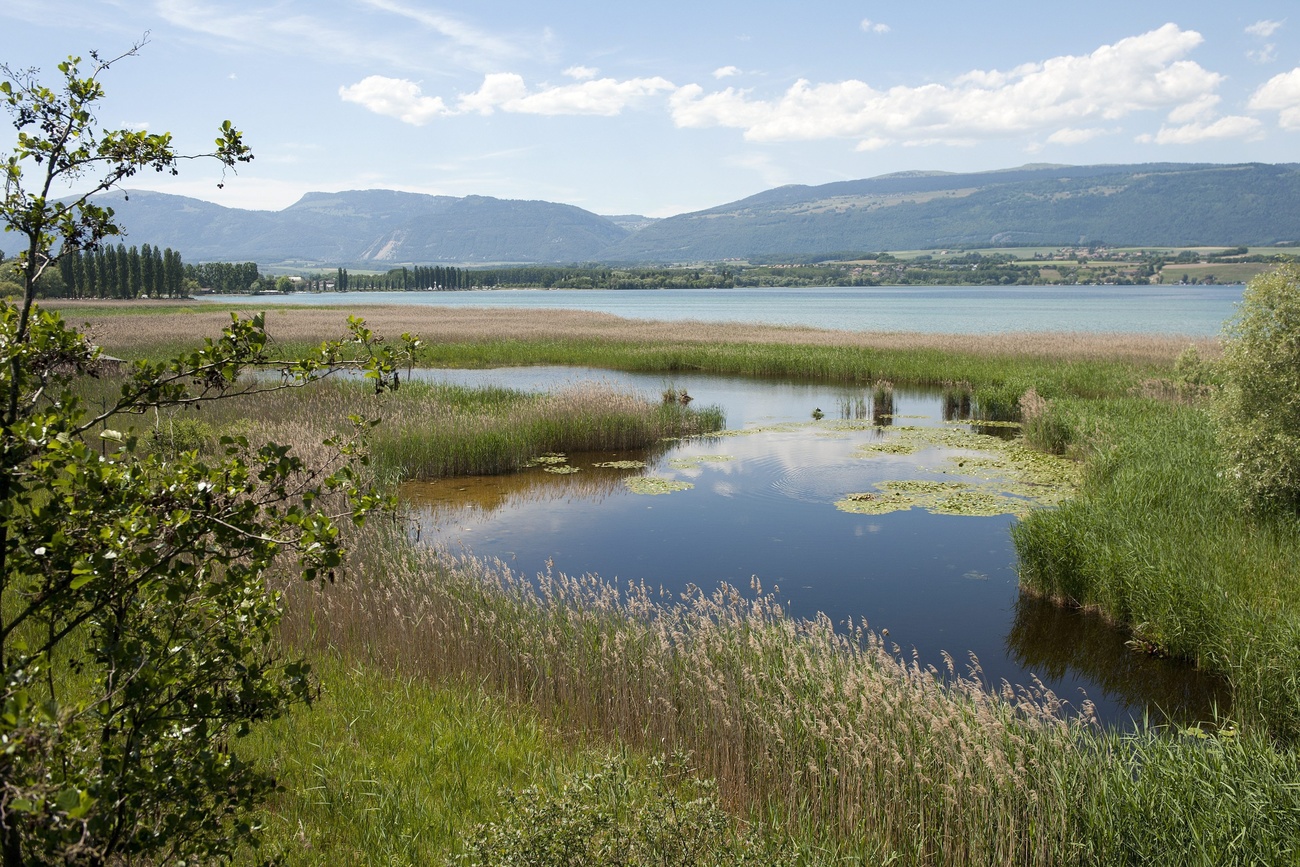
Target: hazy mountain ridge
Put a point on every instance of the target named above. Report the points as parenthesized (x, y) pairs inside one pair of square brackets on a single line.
[(1157, 204)]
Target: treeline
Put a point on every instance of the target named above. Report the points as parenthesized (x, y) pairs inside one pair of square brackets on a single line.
[(404, 279), (144, 272), (119, 272)]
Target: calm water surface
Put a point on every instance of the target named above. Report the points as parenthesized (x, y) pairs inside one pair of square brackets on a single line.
[(1191, 310), (936, 582)]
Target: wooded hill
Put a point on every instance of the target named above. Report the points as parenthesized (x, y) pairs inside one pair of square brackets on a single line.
[(1157, 205)]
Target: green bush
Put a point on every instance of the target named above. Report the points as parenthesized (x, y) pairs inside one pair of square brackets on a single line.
[(1259, 411)]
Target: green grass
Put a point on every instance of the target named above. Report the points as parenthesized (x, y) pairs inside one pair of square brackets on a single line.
[(821, 736), (387, 769), (1156, 541)]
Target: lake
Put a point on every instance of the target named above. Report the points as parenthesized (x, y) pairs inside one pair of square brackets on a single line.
[(1197, 311), (761, 501)]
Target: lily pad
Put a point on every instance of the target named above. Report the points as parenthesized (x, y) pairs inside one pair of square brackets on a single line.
[(548, 458), (655, 485), (622, 465), (687, 463), (561, 470)]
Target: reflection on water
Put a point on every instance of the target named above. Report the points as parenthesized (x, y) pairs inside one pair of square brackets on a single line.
[(761, 502), (1054, 641)]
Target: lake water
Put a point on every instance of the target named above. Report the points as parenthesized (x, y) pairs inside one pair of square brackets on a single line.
[(763, 504), (1190, 310)]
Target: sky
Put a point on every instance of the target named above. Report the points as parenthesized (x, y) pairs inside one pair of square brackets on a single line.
[(669, 107)]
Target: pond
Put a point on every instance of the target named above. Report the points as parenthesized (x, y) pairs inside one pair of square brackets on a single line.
[(815, 509)]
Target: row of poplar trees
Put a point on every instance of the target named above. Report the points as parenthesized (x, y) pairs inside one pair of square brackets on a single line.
[(121, 272)]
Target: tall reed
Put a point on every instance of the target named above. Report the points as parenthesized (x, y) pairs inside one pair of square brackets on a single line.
[(860, 754), (1156, 541)]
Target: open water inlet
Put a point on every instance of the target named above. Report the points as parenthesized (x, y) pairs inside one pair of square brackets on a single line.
[(761, 500)]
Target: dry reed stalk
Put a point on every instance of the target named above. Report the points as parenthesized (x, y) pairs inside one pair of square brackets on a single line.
[(451, 325), (825, 726)]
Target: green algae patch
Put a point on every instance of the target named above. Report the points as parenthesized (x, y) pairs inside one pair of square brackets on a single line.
[(561, 469), (1006, 476), (936, 497), (550, 458), (888, 447), (655, 485), (622, 465), (874, 503), (689, 463)]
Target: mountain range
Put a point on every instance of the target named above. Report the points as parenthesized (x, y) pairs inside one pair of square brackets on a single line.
[(1154, 205)]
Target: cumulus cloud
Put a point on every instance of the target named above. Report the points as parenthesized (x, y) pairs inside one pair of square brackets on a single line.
[(869, 26), (395, 97), (1264, 29), (1267, 54), (502, 91), (581, 73), (1234, 126), (1281, 93), (726, 71), (1071, 136), (1148, 72)]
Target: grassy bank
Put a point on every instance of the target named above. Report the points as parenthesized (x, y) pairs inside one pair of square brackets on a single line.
[(1156, 541), (821, 735)]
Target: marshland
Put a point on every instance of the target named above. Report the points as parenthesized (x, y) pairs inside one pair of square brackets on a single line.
[(465, 699)]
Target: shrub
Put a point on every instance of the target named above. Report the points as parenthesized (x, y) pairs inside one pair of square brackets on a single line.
[(1259, 410)]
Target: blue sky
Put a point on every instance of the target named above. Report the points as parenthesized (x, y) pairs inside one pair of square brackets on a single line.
[(668, 107)]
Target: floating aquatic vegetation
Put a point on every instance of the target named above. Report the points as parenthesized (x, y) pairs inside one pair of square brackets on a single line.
[(688, 463), (561, 469), (622, 465), (655, 485), (548, 458), (888, 447), (783, 427), (937, 498)]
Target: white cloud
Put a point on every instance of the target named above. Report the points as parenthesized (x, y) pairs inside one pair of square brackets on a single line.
[(581, 73), (604, 96), (395, 97), (1281, 93), (502, 91), (1234, 126), (1264, 29), (460, 33), (1267, 54), (1141, 73), (869, 26), (1071, 136), (1197, 108), (726, 71), (278, 27)]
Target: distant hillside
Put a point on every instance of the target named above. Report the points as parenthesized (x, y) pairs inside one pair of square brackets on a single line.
[(1152, 205), (1164, 204), (378, 227)]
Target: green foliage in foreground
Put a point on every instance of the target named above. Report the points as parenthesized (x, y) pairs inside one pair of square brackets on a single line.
[(1156, 540)]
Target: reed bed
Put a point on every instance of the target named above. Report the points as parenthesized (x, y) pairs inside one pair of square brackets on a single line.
[(431, 431), (1075, 363), (823, 733)]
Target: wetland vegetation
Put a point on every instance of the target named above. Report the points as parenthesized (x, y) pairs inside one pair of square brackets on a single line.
[(449, 679)]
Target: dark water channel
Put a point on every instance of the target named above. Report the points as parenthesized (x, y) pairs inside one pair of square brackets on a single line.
[(763, 504)]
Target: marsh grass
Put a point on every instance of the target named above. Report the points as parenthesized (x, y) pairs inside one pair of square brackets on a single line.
[(1003, 365), (822, 733), (1155, 540)]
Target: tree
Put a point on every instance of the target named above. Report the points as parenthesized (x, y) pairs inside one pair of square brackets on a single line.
[(137, 625), (1259, 410)]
